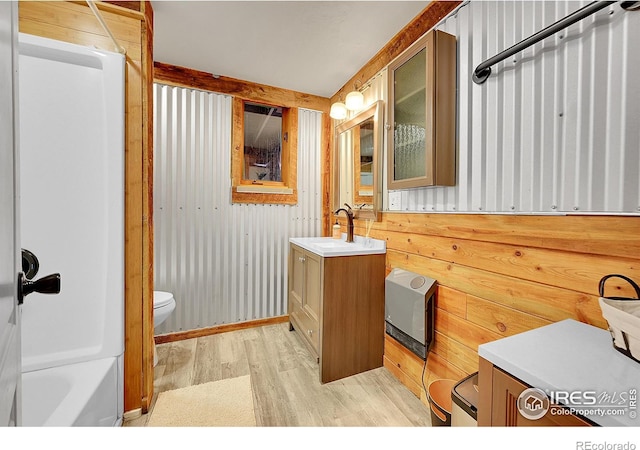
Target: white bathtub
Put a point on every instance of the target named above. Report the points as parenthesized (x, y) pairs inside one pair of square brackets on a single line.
[(72, 395)]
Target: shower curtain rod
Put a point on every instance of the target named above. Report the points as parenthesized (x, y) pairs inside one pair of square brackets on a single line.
[(483, 70), (96, 13)]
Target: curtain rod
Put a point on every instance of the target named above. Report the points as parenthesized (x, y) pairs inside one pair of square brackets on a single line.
[(96, 13), (483, 70)]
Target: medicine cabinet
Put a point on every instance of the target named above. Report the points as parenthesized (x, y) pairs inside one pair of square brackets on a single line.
[(422, 114), (358, 163)]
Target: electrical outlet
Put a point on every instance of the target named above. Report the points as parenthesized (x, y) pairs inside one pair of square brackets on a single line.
[(395, 199)]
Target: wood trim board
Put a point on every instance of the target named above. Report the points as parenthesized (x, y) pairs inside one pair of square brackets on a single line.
[(200, 332), (246, 90)]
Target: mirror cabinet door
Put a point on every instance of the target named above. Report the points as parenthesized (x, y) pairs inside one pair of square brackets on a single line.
[(358, 163), (410, 118), (363, 162), (422, 99), (346, 152)]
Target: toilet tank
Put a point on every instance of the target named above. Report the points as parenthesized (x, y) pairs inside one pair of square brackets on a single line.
[(410, 310)]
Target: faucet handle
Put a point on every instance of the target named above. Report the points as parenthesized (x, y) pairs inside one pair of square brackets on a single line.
[(347, 205)]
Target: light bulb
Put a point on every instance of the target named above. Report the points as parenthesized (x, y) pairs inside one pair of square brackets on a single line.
[(338, 111), (354, 100)]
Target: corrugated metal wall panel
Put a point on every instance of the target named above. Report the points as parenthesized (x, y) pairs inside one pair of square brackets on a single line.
[(224, 263), (555, 127)]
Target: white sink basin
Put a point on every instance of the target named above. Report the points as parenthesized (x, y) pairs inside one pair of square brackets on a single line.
[(336, 244), (328, 247)]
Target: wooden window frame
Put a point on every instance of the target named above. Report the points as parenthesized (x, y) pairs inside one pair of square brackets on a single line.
[(269, 192)]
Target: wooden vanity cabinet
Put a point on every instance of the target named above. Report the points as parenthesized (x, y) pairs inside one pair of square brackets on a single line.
[(498, 395), (336, 305)]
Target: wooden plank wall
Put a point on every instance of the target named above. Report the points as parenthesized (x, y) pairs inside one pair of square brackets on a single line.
[(75, 23), (499, 275)]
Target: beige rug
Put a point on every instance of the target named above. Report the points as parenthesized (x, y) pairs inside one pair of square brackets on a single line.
[(224, 403)]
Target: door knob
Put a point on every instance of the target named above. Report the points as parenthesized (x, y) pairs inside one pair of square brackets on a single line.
[(30, 264), (45, 285)]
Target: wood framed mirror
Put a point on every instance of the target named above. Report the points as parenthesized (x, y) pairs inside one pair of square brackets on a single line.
[(358, 163)]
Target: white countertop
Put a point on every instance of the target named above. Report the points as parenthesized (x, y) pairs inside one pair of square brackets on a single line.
[(570, 356), (329, 247)]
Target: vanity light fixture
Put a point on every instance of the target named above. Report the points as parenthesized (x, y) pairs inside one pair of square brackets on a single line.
[(338, 111), (354, 100)]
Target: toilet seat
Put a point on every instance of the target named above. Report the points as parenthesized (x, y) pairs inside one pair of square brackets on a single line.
[(161, 298)]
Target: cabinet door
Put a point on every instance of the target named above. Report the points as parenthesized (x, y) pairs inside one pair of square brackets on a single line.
[(305, 273), (410, 118), (313, 286), (296, 280), (422, 85), (297, 316), (506, 391), (313, 294)]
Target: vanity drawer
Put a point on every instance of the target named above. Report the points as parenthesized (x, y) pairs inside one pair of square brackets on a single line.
[(305, 326)]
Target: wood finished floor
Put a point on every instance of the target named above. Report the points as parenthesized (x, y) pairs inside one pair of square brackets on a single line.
[(284, 378)]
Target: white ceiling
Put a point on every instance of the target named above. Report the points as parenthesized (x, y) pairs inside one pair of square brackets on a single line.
[(313, 47)]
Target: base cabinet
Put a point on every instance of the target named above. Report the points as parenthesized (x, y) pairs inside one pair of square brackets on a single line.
[(498, 402), (336, 305)]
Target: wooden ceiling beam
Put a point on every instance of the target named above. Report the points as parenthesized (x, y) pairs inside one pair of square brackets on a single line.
[(246, 90)]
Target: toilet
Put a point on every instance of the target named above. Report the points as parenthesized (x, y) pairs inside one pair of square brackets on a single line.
[(163, 306)]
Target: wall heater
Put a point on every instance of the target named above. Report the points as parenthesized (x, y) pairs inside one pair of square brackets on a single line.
[(410, 310)]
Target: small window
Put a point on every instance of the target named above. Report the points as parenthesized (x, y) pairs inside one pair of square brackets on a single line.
[(264, 153), (262, 143)]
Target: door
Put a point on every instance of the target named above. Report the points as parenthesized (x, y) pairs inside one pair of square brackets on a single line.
[(311, 300), (10, 363), (302, 316), (296, 279), (312, 287), (506, 391)]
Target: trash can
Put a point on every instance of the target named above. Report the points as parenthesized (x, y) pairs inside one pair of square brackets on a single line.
[(464, 396), (439, 396)]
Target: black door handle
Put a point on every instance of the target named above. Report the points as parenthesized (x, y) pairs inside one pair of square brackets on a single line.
[(30, 264), (45, 285)]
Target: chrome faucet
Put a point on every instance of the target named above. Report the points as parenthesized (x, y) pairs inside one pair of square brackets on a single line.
[(349, 214)]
